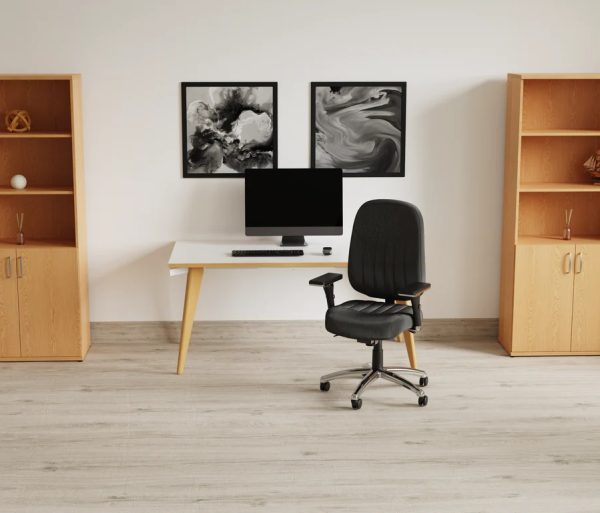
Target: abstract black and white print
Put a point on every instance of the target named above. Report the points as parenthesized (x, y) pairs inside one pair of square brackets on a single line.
[(359, 127), (228, 127)]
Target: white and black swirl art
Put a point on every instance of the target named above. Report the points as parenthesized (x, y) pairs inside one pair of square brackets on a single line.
[(359, 127), (228, 127)]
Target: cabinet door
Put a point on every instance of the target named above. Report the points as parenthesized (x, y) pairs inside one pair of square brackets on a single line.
[(586, 302), (543, 297), (49, 302), (10, 345)]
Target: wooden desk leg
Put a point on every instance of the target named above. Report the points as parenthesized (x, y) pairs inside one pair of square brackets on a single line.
[(192, 291), (409, 340)]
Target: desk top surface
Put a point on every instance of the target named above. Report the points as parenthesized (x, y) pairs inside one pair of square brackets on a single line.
[(189, 254)]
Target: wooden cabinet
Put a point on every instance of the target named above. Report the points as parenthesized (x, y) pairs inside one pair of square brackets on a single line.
[(586, 309), (543, 297), (43, 284), (10, 344), (40, 314), (50, 320), (550, 288), (556, 299)]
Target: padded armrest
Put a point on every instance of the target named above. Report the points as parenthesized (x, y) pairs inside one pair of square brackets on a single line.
[(325, 279), (414, 290)]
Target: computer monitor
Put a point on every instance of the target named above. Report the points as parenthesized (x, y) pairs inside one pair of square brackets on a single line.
[(294, 203)]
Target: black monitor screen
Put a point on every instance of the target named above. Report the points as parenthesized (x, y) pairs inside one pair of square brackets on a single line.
[(294, 202)]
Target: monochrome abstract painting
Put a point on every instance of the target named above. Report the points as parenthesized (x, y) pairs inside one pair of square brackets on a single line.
[(228, 127), (359, 127)]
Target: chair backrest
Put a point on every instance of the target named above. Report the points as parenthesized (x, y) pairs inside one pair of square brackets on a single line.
[(386, 249)]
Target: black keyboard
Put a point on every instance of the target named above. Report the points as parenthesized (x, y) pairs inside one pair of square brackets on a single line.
[(266, 252)]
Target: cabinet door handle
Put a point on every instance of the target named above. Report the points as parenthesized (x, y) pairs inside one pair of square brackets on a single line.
[(568, 264), (19, 267), (579, 263), (8, 267)]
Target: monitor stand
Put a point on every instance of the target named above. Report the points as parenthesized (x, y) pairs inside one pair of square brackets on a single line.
[(293, 240)]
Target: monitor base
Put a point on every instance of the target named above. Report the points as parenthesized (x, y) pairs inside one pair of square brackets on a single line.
[(293, 240)]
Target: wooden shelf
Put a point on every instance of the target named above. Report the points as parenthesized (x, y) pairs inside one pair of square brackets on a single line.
[(548, 298), (35, 135), (556, 239), (37, 191), (43, 290), (560, 133), (37, 243), (558, 187)]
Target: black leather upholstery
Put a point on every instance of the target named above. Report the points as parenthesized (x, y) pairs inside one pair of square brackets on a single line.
[(368, 320), (386, 258), (386, 249)]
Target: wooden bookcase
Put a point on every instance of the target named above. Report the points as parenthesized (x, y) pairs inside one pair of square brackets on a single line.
[(43, 284), (550, 288)]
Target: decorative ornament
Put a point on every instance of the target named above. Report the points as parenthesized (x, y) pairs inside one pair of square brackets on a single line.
[(20, 234), (17, 121), (18, 182), (592, 166), (567, 229)]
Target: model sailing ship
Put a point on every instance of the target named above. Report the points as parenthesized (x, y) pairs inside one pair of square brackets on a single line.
[(592, 166)]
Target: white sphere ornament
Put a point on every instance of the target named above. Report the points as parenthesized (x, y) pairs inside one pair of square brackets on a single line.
[(18, 182)]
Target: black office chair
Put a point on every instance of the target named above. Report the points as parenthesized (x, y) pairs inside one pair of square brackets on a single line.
[(386, 261)]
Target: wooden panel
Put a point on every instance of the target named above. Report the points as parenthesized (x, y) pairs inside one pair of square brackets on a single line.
[(46, 217), (10, 344), (46, 101), (556, 159), (36, 191), (80, 224), (33, 134), (586, 304), (49, 302), (543, 298), (557, 76), (559, 187), (543, 213), (511, 198), (560, 133), (561, 104), (528, 239), (44, 162)]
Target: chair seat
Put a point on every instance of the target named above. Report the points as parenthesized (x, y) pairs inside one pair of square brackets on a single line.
[(368, 320)]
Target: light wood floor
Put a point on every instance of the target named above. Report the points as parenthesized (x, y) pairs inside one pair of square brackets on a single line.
[(246, 429)]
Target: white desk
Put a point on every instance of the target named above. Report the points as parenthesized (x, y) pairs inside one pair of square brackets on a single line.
[(194, 257)]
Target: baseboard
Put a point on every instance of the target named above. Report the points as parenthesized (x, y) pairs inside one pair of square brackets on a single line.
[(433, 329)]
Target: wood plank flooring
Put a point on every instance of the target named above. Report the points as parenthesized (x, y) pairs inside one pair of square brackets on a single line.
[(246, 429)]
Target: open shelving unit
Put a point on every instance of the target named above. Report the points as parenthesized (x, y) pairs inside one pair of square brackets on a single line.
[(552, 127), (44, 282)]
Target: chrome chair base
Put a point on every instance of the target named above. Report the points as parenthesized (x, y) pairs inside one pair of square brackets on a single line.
[(371, 374)]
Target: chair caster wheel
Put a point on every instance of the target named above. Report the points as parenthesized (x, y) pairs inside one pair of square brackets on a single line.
[(423, 401), (356, 404), (325, 386), (423, 382)]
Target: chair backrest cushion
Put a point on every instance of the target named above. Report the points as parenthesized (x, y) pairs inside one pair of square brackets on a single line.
[(387, 248)]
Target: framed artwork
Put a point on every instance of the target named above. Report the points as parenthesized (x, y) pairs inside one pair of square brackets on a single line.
[(359, 127), (228, 127)]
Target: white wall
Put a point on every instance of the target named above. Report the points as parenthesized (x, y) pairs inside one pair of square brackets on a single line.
[(134, 53)]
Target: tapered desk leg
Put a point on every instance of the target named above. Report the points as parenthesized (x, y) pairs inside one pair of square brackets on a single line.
[(409, 340), (192, 291)]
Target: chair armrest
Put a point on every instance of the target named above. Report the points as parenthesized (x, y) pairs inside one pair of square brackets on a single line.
[(325, 279), (414, 290)]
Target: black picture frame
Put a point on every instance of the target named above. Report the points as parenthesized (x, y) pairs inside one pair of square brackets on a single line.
[(401, 122), (184, 125)]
